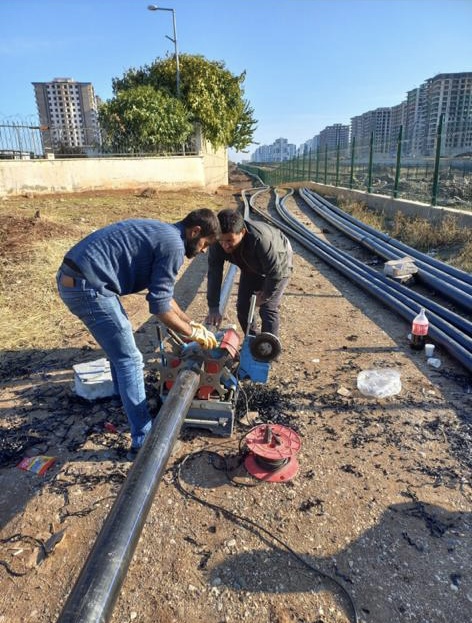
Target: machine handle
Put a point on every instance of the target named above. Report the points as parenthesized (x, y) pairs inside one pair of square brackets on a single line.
[(250, 318)]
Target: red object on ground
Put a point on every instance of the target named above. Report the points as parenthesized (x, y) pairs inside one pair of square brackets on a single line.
[(272, 453)]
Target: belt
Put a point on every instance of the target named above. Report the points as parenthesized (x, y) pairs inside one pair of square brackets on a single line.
[(72, 265), (68, 282)]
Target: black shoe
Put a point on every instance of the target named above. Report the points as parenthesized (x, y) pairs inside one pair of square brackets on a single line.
[(132, 454)]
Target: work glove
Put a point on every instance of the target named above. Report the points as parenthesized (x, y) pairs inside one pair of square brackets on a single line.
[(203, 336)]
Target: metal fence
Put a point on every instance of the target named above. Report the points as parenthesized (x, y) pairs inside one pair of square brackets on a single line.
[(436, 179), (22, 141)]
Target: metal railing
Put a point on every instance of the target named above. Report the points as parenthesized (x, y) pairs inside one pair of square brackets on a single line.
[(21, 141), (391, 169)]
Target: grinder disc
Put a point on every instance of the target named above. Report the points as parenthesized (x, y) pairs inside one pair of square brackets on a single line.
[(265, 347)]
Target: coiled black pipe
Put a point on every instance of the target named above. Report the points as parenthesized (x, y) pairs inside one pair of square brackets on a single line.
[(435, 311), (455, 321), (406, 309), (405, 249), (435, 273), (452, 288)]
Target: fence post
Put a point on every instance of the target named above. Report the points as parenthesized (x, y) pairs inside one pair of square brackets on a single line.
[(326, 164), (434, 198), (337, 165), (351, 177), (399, 156), (317, 163), (371, 158), (309, 164)]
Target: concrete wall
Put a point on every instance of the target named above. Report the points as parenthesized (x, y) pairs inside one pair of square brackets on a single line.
[(390, 206), (208, 170)]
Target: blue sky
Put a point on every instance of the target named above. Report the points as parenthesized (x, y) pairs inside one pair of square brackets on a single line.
[(308, 63)]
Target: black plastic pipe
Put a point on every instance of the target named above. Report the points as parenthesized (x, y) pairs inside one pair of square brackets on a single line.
[(455, 346), (450, 323), (404, 248), (450, 286), (94, 595), (386, 246), (226, 287)]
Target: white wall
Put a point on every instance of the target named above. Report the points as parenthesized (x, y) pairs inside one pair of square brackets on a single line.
[(208, 170)]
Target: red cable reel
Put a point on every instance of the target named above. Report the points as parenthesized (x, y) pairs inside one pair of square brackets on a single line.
[(272, 453)]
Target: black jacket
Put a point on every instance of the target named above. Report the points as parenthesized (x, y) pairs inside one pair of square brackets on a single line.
[(264, 251)]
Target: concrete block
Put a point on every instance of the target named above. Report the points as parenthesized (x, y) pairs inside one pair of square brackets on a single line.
[(93, 379)]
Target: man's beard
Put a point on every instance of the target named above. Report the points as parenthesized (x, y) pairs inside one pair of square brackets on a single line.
[(191, 247)]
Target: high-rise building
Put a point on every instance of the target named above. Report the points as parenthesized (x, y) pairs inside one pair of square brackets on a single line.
[(450, 95), (446, 95), (334, 136), (68, 110), (279, 151), (374, 123)]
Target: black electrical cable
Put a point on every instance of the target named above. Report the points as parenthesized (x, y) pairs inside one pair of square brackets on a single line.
[(245, 522), (270, 466)]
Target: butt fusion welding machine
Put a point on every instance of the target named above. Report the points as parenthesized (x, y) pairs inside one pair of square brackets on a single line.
[(221, 369)]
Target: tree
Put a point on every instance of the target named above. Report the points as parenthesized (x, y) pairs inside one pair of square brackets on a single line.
[(143, 119), (210, 95)]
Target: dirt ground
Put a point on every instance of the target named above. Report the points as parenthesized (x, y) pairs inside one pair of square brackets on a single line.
[(381, 503)]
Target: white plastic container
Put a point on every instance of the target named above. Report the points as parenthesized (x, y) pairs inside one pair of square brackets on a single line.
[(93, 379)]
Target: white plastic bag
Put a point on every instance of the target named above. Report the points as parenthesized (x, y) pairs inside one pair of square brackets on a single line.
[(379, 383)]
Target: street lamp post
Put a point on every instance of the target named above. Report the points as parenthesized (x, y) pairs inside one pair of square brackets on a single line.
[(154, 7)]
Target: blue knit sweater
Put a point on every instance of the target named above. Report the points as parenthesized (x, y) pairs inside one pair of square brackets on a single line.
[(133, 255)]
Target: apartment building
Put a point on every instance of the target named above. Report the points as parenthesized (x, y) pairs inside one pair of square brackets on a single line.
[(446, 96), (309, 146), (279, 151), (68, 110), (335, 135), (373, 123)]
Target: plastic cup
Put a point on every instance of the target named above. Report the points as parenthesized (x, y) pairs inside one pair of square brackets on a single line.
[(429, 350)]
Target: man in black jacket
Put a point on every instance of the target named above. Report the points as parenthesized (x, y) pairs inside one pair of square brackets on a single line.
[(264, 256)]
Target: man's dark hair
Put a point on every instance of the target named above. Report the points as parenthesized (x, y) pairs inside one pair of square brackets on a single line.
[(231, 221), (204, 218)]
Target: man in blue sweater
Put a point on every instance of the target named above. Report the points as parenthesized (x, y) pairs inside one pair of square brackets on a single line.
[(124, 258)]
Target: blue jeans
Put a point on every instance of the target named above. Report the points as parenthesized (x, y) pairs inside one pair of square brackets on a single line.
[(107, 321)]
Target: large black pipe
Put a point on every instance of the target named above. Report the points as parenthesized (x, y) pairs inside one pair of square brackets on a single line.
[(406, 308), (387, 247), (450, 286), (458, 274), (94, 595)]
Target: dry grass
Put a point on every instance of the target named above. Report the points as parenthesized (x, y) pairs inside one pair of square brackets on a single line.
[(34, 236), (360, 211), (463, 257), (426, 235), (445, 239)]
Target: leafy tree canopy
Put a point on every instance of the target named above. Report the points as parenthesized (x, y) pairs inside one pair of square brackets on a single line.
[(210, 95), (144, 119)]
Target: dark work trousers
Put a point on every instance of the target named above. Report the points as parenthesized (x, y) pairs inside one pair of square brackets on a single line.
[(250, 283)]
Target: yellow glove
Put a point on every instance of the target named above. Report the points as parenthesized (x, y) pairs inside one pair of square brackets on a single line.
[(203, 336)]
